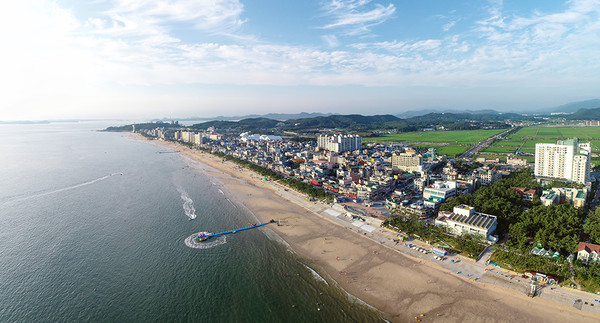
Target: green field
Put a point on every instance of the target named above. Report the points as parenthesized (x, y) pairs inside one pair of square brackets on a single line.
[(527, 137), (449, 143), (501, 150), (450, 137)]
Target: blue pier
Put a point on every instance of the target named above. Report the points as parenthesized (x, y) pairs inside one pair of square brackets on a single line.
[(212, 235)]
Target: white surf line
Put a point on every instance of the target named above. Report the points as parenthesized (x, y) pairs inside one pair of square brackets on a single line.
[(231, 203), (23, 198), (316, 275)]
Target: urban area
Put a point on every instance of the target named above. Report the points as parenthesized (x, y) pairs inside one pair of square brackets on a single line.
[(531, 216)]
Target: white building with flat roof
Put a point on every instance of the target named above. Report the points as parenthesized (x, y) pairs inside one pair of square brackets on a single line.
[(439, 192), (339, 143), (407, 162), (567, 159), (464, 220)]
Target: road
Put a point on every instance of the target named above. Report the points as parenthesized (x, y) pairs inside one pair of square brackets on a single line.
[(481, 145)]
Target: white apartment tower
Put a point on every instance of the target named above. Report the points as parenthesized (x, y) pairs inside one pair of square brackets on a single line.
[(567, 159), (340, 143)]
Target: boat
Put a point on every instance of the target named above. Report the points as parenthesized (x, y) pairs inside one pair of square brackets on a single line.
[(203, 237)]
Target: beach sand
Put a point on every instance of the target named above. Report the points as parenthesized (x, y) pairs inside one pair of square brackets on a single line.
[(401, 286)]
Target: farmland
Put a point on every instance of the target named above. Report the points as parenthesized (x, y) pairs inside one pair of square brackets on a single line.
[(448, 143), (525, 139)]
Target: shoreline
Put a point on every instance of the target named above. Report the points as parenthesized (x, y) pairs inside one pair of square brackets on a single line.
[(394, 282)]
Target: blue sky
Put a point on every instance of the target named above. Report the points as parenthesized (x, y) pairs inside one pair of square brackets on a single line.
[(179, 58)]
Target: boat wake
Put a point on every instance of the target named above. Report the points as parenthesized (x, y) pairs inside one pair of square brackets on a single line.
[(193, 242), (188, 204), (22, 198)]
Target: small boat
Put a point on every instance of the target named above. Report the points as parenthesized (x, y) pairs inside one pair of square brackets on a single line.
[(203, 237)]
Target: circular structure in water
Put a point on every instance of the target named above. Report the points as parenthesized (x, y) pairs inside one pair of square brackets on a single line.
[(192, 241)]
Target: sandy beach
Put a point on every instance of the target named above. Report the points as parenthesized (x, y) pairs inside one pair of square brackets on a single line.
[(401, 286)]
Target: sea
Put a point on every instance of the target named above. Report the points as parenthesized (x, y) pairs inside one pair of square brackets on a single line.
[(99, 227)]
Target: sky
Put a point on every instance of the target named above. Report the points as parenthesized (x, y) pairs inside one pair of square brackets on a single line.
[(204, 58)]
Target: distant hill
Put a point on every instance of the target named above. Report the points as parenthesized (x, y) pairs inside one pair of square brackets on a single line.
[(146, 126), (357, 122), (586, 114), (353, 122), (274, 116), (249, 124), (418, 113), (483, 115), (576, 106), (341, 121)]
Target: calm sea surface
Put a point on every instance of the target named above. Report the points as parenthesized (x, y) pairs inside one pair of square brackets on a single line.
[(96, 227)]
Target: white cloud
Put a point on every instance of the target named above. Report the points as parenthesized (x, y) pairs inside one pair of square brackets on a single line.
[(355, 17), (331, 40), (56, 59), (448, 26)]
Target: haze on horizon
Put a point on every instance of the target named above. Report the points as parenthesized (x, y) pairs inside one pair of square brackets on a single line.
[(181, 58)]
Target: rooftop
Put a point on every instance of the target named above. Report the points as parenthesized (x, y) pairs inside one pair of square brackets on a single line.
[(478, 220), (588, 247)]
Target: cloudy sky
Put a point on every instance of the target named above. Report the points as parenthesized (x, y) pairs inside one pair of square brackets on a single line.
[(180, 58)]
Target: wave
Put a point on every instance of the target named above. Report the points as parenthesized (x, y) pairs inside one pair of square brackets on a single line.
[(316, 275), (192, 241), (23, 198), (188, 204)]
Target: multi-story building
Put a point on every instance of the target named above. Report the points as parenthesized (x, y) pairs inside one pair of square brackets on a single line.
[(407, 161), (464, 220), (515, 161), (340, 143), (487, 175), (557, 195), (187, 136), (439, 192), (588, 252), (198, 140), (526, 194), (567, 159)]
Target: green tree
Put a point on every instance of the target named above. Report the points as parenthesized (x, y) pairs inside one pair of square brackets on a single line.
[(592, 226)]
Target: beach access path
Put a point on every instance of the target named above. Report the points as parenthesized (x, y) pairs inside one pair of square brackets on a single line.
[(397, 280)]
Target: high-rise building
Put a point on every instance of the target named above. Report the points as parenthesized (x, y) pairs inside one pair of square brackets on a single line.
[(567, 159), (340, 143), (407, 162)]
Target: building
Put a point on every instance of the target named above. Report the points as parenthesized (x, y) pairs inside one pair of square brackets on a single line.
[(407, 162), (248, 136), (526, 195), (438, 193), (588, 252), (187, 136), (449, 173), (464, 220), (487, 175), (198, 139), (567, 159), (515, 161), (558, 195), (340, 143)]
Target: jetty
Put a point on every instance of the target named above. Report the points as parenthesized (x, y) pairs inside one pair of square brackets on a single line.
[(204, 237)]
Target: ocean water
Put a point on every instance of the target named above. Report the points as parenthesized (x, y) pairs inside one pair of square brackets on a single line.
[(96, 227)]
